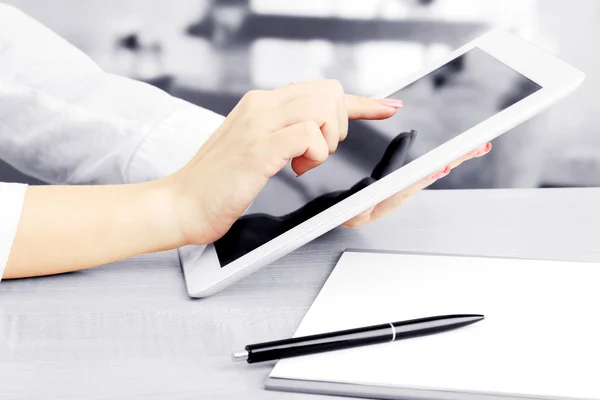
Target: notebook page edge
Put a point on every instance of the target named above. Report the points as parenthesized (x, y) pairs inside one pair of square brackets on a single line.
[(387, 392)]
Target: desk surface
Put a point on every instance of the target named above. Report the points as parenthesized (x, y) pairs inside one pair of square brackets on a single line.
[(128, 330)]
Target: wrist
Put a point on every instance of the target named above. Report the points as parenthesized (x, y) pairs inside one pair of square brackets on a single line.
[(155, 207)]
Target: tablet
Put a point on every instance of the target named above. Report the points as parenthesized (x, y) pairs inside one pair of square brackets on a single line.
[(508, 79)]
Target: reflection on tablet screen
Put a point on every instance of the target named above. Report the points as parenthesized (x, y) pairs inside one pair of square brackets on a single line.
[(473, 78)]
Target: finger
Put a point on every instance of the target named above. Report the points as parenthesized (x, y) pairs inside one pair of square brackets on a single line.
[(302, 143), (324, 88), (389, 205), (297, 90), (484, 150), (365, 108), (325, 112), (359, 220), (342, 122), (479, 152), (358, 107)]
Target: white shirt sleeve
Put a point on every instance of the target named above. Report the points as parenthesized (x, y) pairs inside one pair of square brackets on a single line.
[(11, 201), (65, 121)]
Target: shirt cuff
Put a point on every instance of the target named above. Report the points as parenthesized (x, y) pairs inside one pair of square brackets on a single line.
[(172, 143), (11, 204)]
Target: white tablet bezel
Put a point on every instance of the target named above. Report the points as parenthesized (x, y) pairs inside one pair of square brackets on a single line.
[(203, 273)]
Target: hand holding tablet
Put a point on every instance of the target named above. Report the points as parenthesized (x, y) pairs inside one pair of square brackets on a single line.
[(300, 123), (504, 80)]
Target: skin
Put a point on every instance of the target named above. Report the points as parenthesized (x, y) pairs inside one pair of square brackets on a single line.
[(68, 228)]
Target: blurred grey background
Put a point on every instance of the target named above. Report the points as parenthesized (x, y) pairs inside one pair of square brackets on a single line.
[(211, 52)]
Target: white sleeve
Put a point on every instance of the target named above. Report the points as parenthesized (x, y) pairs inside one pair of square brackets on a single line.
[(64, 120), (11, 202)]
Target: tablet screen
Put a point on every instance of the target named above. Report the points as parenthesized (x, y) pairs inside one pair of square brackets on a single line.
[(439, 106)]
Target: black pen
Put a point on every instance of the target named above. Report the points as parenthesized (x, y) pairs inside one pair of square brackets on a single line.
[(348, 338)]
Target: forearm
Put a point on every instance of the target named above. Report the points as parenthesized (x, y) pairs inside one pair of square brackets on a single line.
[(68, 228)]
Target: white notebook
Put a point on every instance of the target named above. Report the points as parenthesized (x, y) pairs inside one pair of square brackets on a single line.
[(540, 338)]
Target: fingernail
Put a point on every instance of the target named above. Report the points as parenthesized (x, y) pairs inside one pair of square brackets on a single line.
[(484, 151), (442, 173), (392, 103)]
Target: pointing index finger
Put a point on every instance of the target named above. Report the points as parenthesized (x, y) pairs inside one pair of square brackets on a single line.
[(365, 108)]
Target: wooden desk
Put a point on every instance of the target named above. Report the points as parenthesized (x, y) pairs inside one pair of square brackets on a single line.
[(128, 330)]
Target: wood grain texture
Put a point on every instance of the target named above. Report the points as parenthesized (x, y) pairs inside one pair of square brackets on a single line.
[(128, 330)]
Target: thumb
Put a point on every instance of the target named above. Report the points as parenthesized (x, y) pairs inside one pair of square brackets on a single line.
[(366, 108)]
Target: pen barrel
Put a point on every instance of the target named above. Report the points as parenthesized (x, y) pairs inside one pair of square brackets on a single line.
[(320, 343)]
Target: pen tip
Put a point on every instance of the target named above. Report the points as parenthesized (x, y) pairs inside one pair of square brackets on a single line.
[(470, 318), (478, 317)]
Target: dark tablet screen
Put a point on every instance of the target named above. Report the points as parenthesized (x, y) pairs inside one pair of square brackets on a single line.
[(452, 99)]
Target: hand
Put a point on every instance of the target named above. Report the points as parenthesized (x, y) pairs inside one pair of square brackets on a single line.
[(302, 123), (387, 206)]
